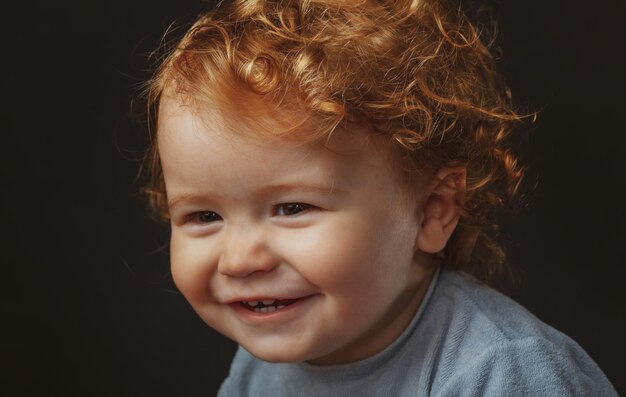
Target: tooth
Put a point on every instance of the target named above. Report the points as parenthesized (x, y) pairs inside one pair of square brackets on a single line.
[(264, 310), (280, 307), (257, 310), (253, 303), (268, 302), (271, 308)]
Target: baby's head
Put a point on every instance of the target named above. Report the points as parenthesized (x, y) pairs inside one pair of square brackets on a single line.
[(317, 159)]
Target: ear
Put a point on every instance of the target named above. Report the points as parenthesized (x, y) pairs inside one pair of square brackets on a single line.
[(439, 209)]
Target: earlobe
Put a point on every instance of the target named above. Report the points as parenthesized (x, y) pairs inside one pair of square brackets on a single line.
[(440, 209)]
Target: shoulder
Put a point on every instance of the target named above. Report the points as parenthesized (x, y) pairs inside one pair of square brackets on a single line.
[(493, 346), (530, 366), (472, 306)]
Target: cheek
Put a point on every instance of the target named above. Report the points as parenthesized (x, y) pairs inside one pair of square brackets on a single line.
[(351, 253), (193, 271), (188, 261)]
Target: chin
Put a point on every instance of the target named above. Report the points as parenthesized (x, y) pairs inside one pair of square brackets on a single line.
[(273, 354)]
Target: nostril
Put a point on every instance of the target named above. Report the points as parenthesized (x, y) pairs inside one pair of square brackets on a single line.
[(246, 260)]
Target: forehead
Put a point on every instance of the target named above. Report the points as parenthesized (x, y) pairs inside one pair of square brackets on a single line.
[(200, 145), (258, 126)]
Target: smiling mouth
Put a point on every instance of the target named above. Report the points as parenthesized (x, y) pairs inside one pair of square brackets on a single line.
[(267, 305)]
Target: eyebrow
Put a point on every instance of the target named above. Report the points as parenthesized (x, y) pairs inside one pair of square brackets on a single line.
[(264, 192), (182, 199), (302, 187)]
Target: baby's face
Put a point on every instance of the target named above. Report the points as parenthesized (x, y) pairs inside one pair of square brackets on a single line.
[(296, 252)]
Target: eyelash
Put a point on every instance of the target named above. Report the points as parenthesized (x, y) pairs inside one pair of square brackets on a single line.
[(302, 207), (293, 208), (197, 217)]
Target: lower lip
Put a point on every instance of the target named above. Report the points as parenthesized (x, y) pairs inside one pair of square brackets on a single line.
[(283, 314)]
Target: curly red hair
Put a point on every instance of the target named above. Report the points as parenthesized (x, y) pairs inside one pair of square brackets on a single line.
[(414, 71)]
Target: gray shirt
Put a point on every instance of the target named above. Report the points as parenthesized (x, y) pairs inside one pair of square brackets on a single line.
[(466, 339)]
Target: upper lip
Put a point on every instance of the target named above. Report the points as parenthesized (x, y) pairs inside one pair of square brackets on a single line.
[(265, 298)]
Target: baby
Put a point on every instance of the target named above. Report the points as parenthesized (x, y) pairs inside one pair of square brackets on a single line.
[(330, 170)]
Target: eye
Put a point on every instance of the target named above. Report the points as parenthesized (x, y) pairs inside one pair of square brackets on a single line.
[(290, 209), (206, 217)]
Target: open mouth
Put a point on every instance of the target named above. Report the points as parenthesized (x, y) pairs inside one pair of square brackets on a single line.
[(266, 306)]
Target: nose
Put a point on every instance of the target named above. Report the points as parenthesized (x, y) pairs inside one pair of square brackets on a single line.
[(246, 251)]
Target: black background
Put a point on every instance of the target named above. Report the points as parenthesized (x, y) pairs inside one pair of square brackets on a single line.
[(87, 305)]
